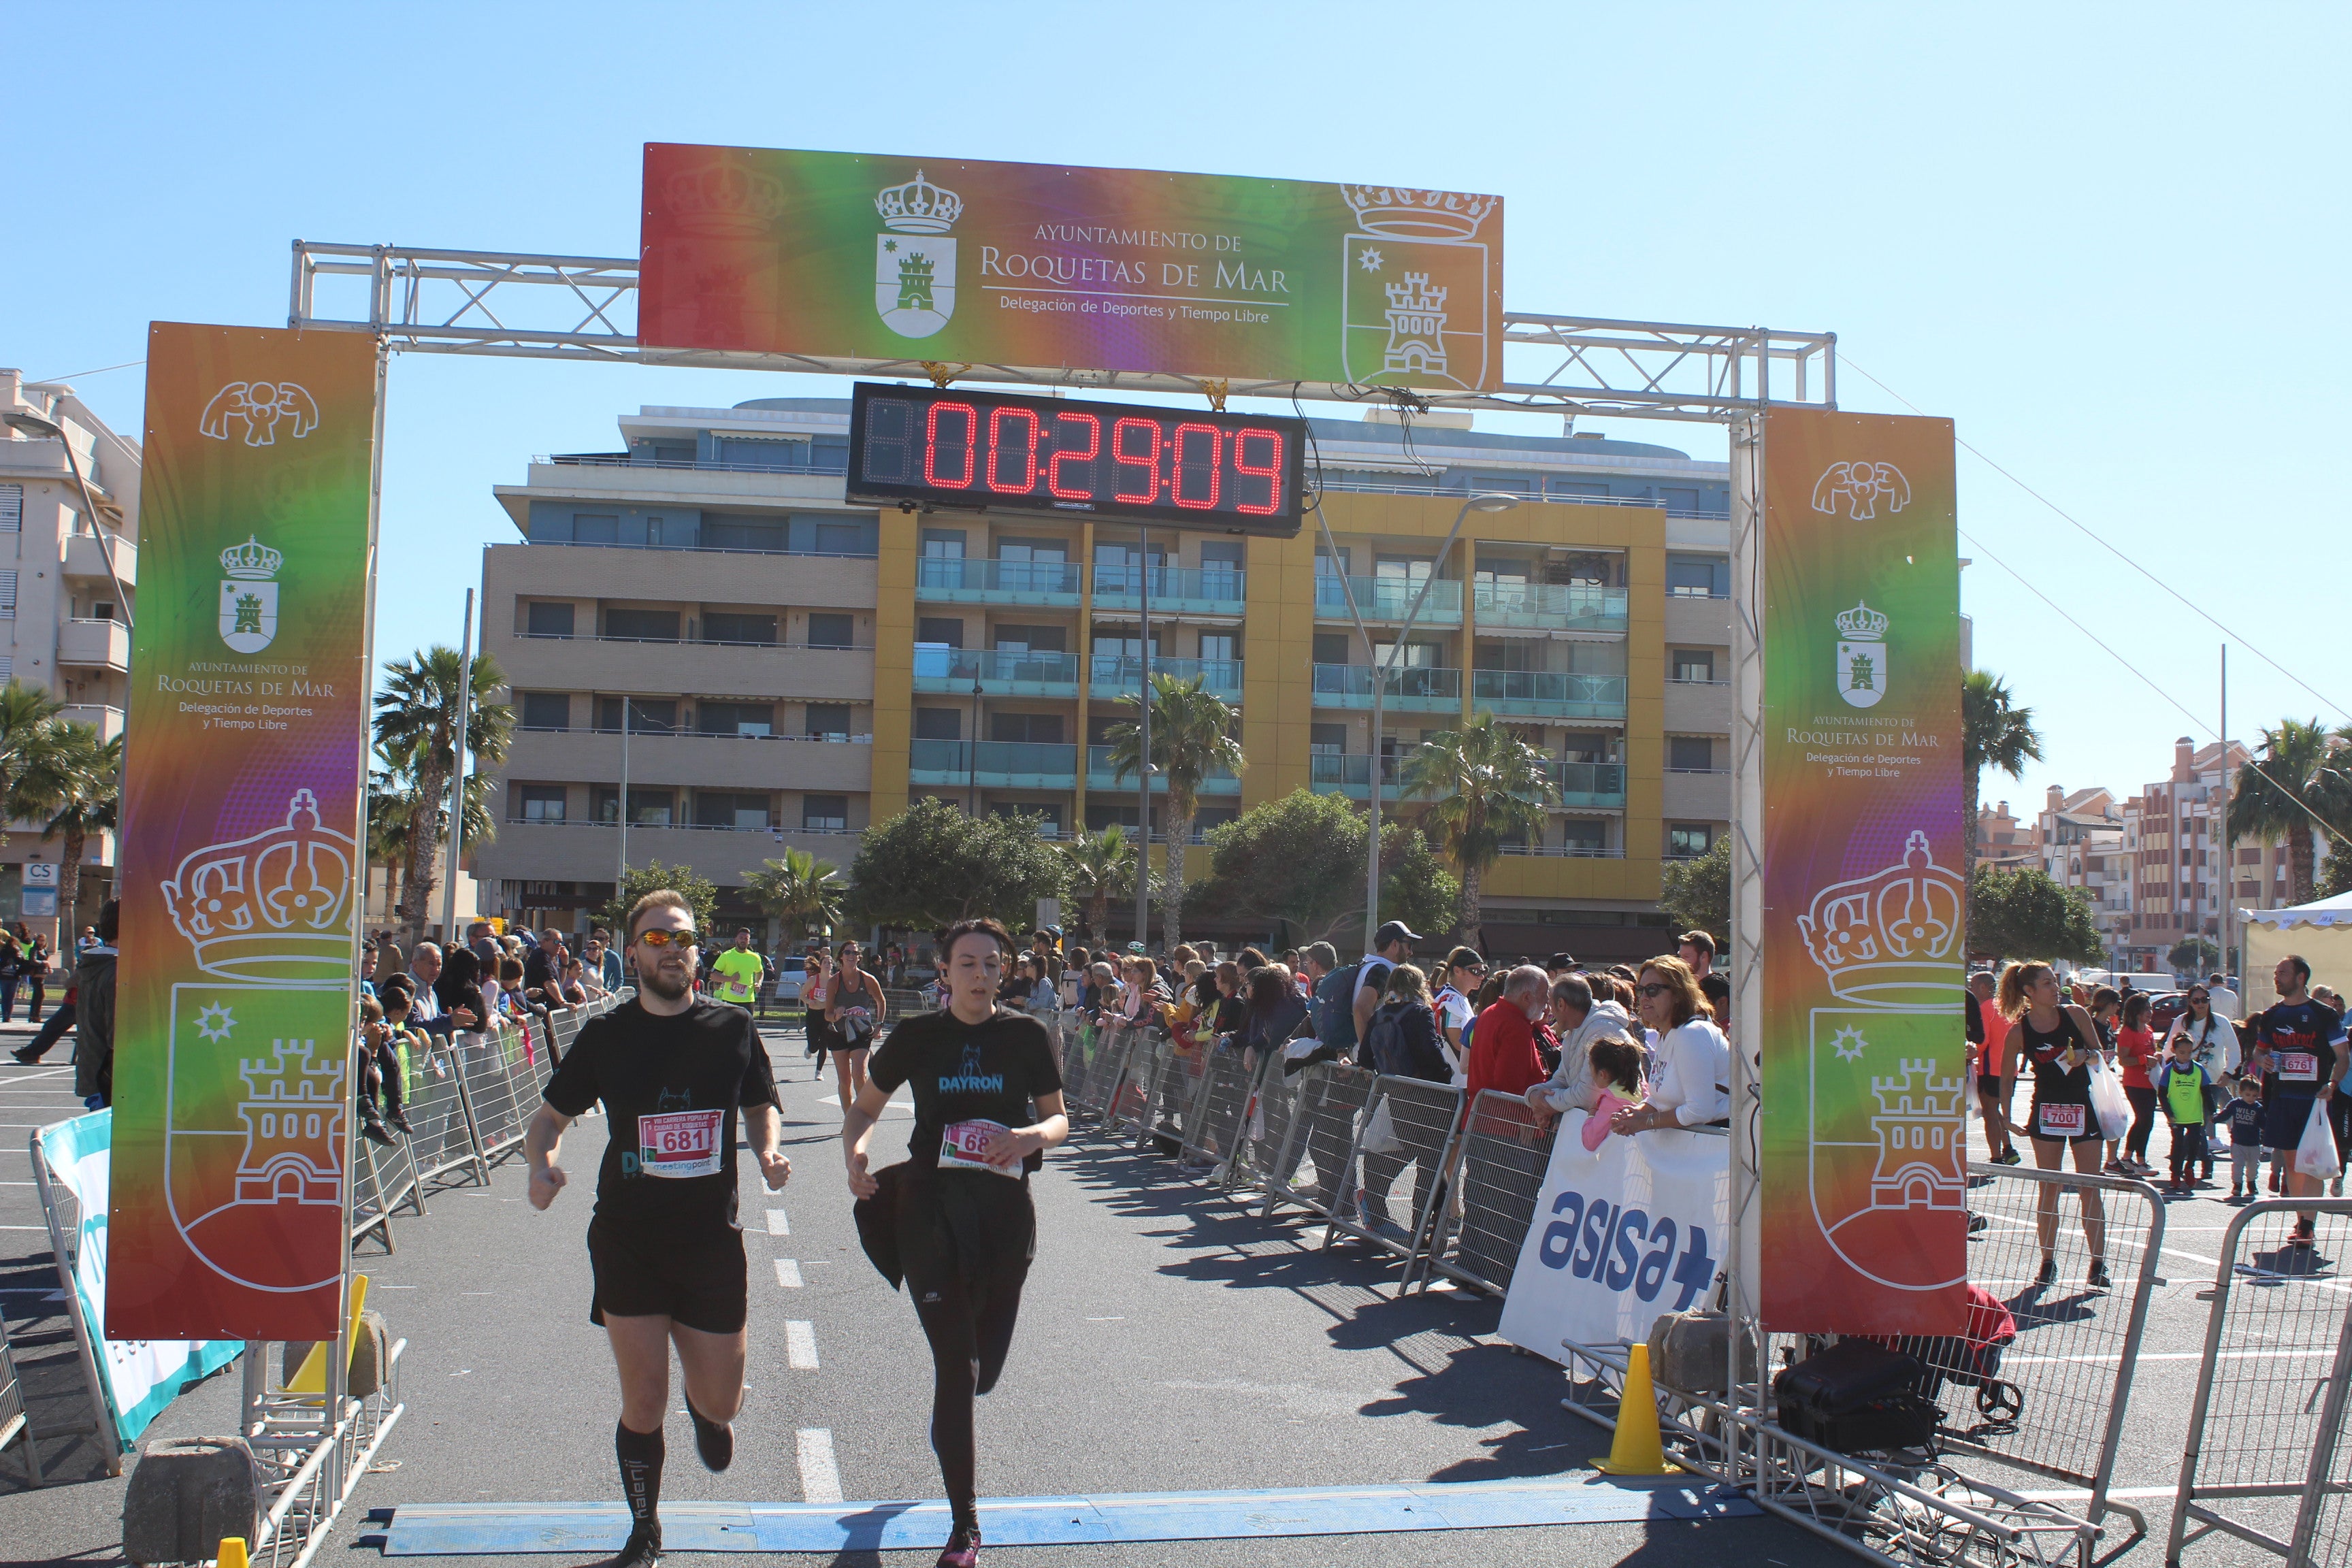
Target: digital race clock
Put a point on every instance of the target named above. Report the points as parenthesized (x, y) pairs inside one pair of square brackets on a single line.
[(1001, 451)]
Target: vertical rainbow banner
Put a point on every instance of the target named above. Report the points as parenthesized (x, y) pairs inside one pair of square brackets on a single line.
[(1863, 1168), (840, 255), (247, 745)]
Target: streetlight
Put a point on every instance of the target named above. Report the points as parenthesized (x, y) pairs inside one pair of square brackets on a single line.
[(1485, 501), (25, 422)]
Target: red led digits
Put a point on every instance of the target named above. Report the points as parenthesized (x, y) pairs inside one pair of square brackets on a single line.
[(931, 475), (1063, 455), (1271, 473), (997, 418), (1216, 452), (1148, 461)]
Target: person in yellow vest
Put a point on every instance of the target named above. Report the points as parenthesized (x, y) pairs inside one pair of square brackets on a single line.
[(739, 972)]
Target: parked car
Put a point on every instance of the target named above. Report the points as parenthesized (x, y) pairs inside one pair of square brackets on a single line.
[(792, 969)]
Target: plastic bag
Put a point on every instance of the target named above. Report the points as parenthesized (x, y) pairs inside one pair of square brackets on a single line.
[(2108, 1099), (2315, 1156), (1380, 1136)]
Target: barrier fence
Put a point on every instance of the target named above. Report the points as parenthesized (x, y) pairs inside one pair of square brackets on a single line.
[(1311, 1169), (14, 1421), (1397, 1164), (1503, 1155)]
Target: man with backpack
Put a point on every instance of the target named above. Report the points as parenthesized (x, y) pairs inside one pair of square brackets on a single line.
[(1392, 945)]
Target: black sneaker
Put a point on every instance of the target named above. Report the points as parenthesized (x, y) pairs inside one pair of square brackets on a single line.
[(24, 1056), (399, 1119), (643, 1550), (2048, 1273), (962, 1550), (714, 1440), (2098, 1277), (375, 1132)]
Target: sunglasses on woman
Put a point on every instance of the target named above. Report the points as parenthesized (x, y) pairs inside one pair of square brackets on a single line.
[(1653, 989)]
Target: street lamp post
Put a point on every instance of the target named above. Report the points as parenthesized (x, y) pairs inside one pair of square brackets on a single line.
[(34, 424)]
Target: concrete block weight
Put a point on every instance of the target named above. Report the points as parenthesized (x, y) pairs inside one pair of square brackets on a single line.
[(370, 1355), (186, 1497)]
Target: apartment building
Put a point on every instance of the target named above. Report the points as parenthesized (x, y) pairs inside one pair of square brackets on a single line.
[(713, 653), (2080, 835), (65, 616), (2185, 882), (2004, 842)]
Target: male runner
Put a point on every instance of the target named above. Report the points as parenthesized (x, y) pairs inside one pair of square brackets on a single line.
[(741, 970), (2301, 1071), (668, 1252)]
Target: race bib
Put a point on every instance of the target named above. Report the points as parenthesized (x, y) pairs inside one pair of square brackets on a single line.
[(679, 1142), (2064, 1120), (963, 1144), (2298, 1067)]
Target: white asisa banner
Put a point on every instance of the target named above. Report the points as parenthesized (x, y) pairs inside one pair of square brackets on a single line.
[(1622, 1234)]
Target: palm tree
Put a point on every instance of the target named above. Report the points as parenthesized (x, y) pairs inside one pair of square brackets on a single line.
[(1488, 785), (28, 732), (2278, 797), (1098, 871), (1191, 736), (416, 724), (1994, 732), (799, 890), (81, 781), (392, 807)]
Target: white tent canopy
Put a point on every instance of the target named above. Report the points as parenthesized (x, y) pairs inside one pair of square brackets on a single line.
[(2320, 933), (2332, 912)]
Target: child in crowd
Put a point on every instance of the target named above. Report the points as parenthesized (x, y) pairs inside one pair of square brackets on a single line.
[(377, 1065), (1617, 1080), (2180, 1085), (2244, 1116)]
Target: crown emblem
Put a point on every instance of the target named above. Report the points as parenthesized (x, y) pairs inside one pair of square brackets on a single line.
[(1894, 939), (274, 906), (1418, 215), (918, 207), (251, 561), (726, 203), (1861, 624)]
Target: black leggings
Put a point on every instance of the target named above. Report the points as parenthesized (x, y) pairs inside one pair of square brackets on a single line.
[(2143, 1104), (967, 1311)]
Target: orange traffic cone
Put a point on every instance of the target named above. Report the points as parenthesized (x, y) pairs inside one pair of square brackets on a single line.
[(1635, 1450)]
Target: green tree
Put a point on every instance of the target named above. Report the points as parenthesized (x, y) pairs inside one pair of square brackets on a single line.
[(2280, 794), (931, 866), (2194, 955), (1191, 737), (1697, 894), (800, 891), (417, 726), (391, 807), (30, 732), (1486, 785), (1296, 866), (636, 881), (81, 779), (1099, 870), (2335, 875), (1994, 733), (2026, 914)]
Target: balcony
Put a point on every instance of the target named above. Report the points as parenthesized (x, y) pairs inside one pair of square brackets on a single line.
[(696, 759), (86, 558), (576, 850), (953, 671), (107, 721), (992, 764), (945, 582), (1566, 851), (1332, 772), (1175, 591), (1550, 607), (1388, 599), (94, 645), (1102, 775), (1589, 786), (1413, 690), (1112, 675), (1548, 694)]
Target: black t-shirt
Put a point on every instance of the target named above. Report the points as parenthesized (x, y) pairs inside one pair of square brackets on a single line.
[(2296, 1034), (966, 1072), (671, 1086)]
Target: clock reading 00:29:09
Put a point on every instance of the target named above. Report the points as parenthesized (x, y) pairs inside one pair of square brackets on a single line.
[(973, 449)]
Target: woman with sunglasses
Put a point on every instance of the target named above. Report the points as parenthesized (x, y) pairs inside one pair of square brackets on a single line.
[(1465, 970), (2058, 1037), (2213, 1046), (853, 1010), (1692, 1086)]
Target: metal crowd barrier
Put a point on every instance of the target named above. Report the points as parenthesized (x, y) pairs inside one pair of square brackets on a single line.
[(1217, 1117), (486, 1082), (1258, 1141), (14, 1420), (2268, 1457), (1423, 1117), (1332, 1099), (1499, 1162), (1153, 1076), (442, 1140)]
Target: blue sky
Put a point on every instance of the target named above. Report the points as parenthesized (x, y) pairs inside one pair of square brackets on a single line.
[(2109, 242)]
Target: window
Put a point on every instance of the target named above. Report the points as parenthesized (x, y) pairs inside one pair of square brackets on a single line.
[(1681, 502), (546, 710), (535, 803), (825, 812), (944, 544), (1575, 488), (1221, 568), (735, 718), (1219, 646), (762, 534), (1491, 572), (1048, 549), (595, 528), (831, 630), (1698, 576), (1332, 648), (1688, 840), (735, 626), (1508, 653), (1110, 644), (12, 508), (1585, 832), (827, 721), (1031, 640), (645, 715), (938, 723), (1209, 818), (843, 539), (1689, 755), (1414, 655), (717, 808), (1694, 664), (647, 807), (1099, 816), (1328, 739), (549, 620), (1049, 828), (642, 625), (1037, 729), (653, 533), (939, 631), (1402, 568)]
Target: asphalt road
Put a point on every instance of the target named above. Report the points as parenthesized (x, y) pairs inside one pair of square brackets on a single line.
[(1169, 1340)]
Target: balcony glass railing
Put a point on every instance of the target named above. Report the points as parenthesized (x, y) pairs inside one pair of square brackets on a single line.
[(1570, 604), (1210, 585), (1539, 690), (1332, 770), (1058, 577), (1411, 683), (1103, 773), (994, 759), (1588, 783), (1387, 598), (1124, 672), (971, 664)]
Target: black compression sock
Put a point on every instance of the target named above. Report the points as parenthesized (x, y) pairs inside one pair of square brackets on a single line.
[(714, 1440), (640, 1454)]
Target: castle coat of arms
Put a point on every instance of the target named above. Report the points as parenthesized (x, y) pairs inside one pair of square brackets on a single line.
[(914, 258), (1861, 657), (248, 599), (1415, 288)]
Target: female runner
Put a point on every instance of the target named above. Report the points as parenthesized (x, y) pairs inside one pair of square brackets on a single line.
[(2059, 1039), (853, 1006), (964, 1226)]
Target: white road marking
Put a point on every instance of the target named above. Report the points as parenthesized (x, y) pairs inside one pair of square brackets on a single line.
[(800, 1345), (820, 1476), (779, 1223), (2158, 1355), (788, 1273)]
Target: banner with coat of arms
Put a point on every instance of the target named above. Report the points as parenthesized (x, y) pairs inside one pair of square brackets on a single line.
[(245, 746), (840, 255), (1862, 1140)]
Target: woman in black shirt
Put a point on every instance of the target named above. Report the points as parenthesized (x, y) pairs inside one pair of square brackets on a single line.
[(2059, 1039)]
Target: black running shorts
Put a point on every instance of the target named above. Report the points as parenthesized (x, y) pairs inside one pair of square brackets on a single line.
[(699, 1282)]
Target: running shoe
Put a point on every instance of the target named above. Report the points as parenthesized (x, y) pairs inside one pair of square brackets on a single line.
[(2117, 1168), (399, 1119), (1977, 1222), (24, 1056), (714, 1440), (375, 1132), (2302, 1234), (2008, 1157), (2098, 1277), (962, 1550), (2048, 1273), (643, 1550)]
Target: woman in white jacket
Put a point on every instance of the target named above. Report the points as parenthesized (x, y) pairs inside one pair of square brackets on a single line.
[(1581, 1021), (2213, 1046), (1693, 1059)]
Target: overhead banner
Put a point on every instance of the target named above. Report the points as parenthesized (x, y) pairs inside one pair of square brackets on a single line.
[(1622, 1234), (246, 745), (844, 255), (1863, 1170)]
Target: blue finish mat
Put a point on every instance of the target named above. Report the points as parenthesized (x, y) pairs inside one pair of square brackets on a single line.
[(436, 1529)]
